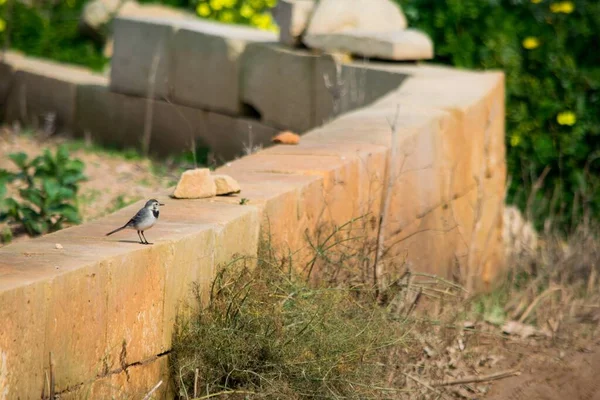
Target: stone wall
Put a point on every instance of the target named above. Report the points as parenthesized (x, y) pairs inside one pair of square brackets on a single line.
[(104, 308)]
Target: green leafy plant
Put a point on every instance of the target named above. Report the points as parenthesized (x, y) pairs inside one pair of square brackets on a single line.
[(47, 187), (553, 91)]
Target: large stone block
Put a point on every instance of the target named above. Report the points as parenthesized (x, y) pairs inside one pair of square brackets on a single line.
[(345, 86), (142, 56), (116, 119), (43, 91), (206, 64), (278, 83), (23, 311)]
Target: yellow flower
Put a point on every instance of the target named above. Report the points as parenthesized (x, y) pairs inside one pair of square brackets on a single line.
[(565, 7), (566, 118), (217, 4), (246, 11), (2, 2), (271, 3), (227, 16), (262, 21), (515, 140), (531, 43), (256, 4), (229, 3), (203, 10)]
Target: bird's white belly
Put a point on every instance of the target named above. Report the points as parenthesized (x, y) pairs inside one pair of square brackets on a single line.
[(146, 225)]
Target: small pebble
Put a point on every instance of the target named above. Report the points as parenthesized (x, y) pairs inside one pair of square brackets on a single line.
[(58, 246)]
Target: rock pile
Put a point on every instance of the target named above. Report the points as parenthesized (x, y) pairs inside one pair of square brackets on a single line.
[(199, 184)]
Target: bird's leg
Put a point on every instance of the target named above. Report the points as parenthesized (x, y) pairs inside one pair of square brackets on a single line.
[(145, 238), (141, 241)]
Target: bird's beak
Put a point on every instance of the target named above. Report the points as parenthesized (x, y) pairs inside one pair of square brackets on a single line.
[(160, 204)]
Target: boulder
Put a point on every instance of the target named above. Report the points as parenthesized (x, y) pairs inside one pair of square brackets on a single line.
[(375, 16), (226, 185), (195, 184), (292, 17)]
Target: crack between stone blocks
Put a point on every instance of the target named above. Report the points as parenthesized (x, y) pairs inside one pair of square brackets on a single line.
[(114, 372)]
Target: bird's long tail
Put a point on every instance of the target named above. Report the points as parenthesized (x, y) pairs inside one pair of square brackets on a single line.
[(116, 230)]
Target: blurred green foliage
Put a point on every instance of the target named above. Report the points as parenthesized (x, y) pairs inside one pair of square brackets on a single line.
[(545, 48), (47, 187), (49, 29), (553, 90)]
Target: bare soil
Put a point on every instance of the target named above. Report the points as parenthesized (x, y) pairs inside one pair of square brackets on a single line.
[(552, 374)]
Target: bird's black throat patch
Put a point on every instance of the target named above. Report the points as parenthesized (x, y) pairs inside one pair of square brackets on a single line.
[(155, 212)]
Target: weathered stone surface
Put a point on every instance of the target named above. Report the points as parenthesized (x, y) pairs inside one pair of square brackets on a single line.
[(206, 63), (342, 86), (278, 83), (112, 301), (335, 16), (22, 312), (400, 45), (6, 77), (292, 17), (141, 56), (42, 89), (115, 119), (226, 185), (195, 184)]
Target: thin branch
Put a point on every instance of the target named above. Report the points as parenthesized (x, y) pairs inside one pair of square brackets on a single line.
[(387, 194), (476, 379), (154, 389)]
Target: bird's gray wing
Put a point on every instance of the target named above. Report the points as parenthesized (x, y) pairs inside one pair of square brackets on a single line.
[(137, 218)]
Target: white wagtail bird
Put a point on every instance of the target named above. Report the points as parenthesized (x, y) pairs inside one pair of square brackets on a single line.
[(143, 220)]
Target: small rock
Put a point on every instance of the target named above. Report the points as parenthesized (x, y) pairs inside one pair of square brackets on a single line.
[(195, 184), (226, 185), (286, 137), (58, 246)]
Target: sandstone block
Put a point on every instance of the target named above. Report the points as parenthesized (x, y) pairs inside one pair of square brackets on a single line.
[(292, 17), (377, 16), (141, 56), (195, 184), (226, 185), (278, 83), (44, 93), (399, 45), (342, 86), (206, 64), (116, 119)]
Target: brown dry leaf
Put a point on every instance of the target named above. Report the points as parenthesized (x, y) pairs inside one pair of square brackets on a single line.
[(286, 137)]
